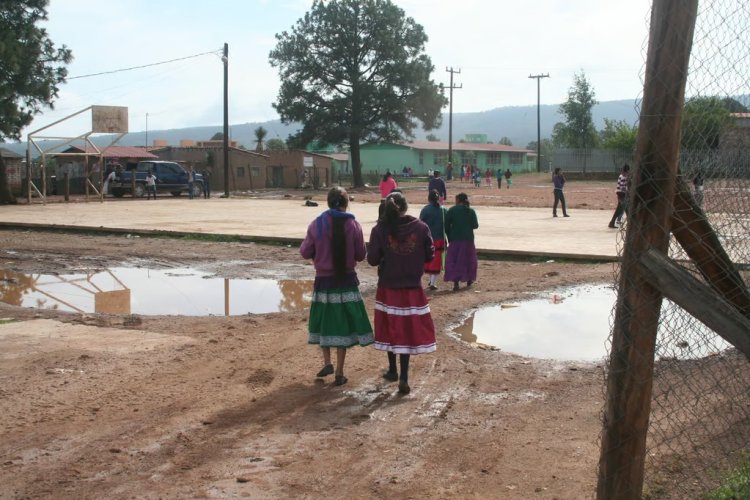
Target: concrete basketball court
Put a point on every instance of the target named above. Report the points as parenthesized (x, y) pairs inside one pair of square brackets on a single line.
[(502, 230)]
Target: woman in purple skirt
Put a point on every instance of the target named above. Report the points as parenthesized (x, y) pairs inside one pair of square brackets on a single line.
[(461, 257)]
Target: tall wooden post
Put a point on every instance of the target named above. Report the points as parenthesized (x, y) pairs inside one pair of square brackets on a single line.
[(631, 365)]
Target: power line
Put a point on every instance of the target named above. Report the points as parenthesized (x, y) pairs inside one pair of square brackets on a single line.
[(145, 65)]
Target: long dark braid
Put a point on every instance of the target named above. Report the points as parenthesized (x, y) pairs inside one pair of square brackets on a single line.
[(338, 200), (395, 204), (434, 197)]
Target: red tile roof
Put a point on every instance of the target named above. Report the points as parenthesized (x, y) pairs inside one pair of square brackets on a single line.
[(464, 146)]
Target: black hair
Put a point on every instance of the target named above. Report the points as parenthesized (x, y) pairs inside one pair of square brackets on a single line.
[(338, 200), (626, 168), (433, 197), (463, 199), (386, 175), (557, 171), (395, 205)]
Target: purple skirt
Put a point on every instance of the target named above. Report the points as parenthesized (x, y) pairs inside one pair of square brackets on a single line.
[(461, 261)]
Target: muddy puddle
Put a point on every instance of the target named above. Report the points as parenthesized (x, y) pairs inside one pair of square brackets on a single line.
[(175, 291), (570, 325)]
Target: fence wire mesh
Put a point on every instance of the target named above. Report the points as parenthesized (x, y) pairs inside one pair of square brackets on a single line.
[(699, 422)]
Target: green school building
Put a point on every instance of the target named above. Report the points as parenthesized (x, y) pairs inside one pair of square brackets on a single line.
[(423, 156)]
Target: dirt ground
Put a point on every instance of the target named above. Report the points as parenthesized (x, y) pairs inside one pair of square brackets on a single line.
[(216, 407)]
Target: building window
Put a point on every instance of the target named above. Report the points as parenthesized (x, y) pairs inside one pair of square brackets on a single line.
[(440, 158), (468, 158), (255, 171), (516, 158), (421, 158), (240, 171), (494, 158)]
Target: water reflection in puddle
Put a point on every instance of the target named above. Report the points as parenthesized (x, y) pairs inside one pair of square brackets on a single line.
[(176, 291), (572, 325)]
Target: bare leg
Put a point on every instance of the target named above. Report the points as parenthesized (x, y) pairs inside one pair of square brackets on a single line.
[(340, 357), (327, 366)]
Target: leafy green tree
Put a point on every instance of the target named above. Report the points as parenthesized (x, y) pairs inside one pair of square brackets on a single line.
[(545, 153), (260, 136), (703, 119), (275, 145), (733, 105), (577, 131), (355, 71), (505, 141), (618, 134), (218, 136), (31, 69), (433, 138)]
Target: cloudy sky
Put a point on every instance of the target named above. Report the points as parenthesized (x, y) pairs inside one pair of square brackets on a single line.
[(496, 44)]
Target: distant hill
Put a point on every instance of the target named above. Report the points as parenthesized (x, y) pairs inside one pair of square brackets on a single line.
[(515, 122)]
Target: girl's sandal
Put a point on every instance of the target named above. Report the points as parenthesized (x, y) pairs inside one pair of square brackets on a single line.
[(340, 380), (327, 370)]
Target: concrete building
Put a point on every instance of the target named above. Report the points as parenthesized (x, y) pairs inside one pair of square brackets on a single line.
[(422, 156), (13, 173), (736, 136)]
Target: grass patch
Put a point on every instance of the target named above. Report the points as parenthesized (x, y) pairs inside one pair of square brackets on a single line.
[(5, 321), (736, 486)]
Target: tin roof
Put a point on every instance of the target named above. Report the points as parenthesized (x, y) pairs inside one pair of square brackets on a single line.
[(7, 153), (115, 152)]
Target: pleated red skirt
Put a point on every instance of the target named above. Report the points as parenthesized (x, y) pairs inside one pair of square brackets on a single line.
[(436, 264), (403, 323)]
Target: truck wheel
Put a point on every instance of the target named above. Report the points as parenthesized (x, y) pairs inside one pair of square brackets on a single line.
[(118, 192), (140, 191), (197, 190)]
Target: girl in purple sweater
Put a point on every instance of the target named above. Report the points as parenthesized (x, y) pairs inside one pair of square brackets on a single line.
[(338, 317), (400, 245)]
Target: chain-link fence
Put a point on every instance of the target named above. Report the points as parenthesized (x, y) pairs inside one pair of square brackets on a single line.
[(677, 416)]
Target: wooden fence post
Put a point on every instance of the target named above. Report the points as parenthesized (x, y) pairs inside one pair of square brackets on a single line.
[(631, 364)]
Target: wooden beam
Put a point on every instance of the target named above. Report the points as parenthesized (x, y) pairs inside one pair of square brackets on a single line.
[(631, 363), (683, 289), (701, 243)]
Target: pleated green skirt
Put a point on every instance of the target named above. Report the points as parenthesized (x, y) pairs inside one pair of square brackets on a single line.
[(338, 317)]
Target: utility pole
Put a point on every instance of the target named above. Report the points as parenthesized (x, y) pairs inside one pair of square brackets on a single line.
[(538, 125), (225, 60), (146, 130), (450, 111)]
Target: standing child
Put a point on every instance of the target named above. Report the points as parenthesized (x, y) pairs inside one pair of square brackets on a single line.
[(461, 261), (508, 175), (338, 318), (488, 177), (150, 185), (434, 216), (190, 181), (558, 181), (621, 191), (400, 245)]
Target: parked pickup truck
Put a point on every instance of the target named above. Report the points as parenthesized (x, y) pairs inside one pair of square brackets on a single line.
[(171, 177)]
